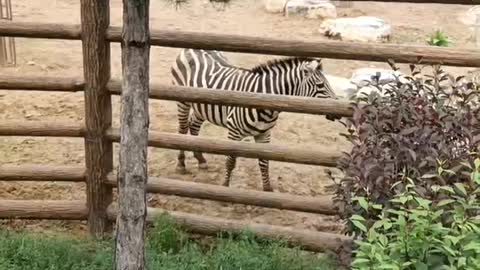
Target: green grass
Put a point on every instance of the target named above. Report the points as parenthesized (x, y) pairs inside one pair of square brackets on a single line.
[(168, 248)]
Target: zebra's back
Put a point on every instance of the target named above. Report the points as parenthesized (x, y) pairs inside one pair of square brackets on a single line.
[(207, 69)]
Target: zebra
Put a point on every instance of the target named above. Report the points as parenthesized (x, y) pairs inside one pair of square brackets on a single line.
[(294, 76)]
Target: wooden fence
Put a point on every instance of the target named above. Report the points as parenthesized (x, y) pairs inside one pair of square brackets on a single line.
[(96, 35)]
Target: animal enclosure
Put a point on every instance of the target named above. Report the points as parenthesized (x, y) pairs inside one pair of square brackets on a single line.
[(99, 134), (7, 44)]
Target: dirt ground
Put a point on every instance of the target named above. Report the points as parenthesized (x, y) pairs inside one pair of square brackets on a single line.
[(412, 23)]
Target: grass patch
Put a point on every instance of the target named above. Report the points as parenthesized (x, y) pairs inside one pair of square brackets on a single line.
[(168, 248)]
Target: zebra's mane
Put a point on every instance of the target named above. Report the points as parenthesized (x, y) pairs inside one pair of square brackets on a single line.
[(289, 61)]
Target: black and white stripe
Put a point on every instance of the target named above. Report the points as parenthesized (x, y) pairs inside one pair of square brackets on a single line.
[(210, 69)]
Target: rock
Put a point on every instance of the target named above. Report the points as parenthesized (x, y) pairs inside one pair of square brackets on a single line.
[(362, 78), (470, 19), (342, 87), (363, 28), (311, 9), (365, 74), (275, 6)]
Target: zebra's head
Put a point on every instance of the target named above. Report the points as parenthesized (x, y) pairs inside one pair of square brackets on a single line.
[(313, 82)]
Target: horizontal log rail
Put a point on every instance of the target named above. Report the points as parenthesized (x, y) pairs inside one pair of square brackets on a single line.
[(310, 240), (43, 129), (43, 209), (262, 45), (37, 172), (251, 100), (40, 30), (453, 2), (319, 205), (190, 94), (305, 155), (42, 83), (326, 49), (302, 155)]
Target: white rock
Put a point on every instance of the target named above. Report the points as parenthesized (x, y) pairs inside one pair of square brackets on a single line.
[(311, 9), (342, 87), (365, 74), (363, 28), (275, 6), (470, 17), (470, 20)]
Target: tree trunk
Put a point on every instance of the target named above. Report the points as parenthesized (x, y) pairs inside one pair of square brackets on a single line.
[(132, 174)]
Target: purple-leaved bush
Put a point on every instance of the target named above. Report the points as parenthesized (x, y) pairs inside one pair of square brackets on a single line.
[(416, 124)]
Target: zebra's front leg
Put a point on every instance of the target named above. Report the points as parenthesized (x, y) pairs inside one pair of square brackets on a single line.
[(182, 114), (195, 126), (263, 163), (231, 161)]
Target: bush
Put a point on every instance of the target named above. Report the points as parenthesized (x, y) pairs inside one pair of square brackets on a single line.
[(415, 125), (416, 233), (409, 191)]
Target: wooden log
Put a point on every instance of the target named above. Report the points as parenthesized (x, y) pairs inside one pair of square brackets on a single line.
[(95, 18), (453, 2), (41, 83), (36, 172), (318, 204), (134, 121), (310, 240), (40, 30), (252, 100), (304, 155), (327, 49), (43, 209), (44, 129), (265, 45)]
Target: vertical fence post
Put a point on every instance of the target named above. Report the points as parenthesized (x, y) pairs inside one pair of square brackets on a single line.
[(95, 17), (132, 169)]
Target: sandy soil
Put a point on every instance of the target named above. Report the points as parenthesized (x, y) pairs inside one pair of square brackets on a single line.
[(411, 24)]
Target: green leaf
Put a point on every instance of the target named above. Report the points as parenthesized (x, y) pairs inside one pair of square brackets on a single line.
[(359, 261), (448, 189), (461, 188), (428, 176), (477, 163), (449, 250), (472, 246), (476, 177), (421, 266), (401, 200), (362, 202), (357, 217), (445, 202), (359, 225), (450, 172), (465, 164), (423, 202)]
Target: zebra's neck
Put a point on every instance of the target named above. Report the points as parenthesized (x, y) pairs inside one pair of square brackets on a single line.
[(277, 80)]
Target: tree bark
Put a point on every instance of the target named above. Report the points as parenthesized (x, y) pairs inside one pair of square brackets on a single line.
[(132, 175), (95, 17)]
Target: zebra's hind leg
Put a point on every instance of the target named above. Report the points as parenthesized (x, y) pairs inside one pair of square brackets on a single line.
[(195, 126), (183, 111), (231, 160), (263, 163)]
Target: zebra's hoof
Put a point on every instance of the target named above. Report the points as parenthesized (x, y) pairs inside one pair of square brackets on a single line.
[(268, 189), (203, 166), (226, 184), (181, 170)]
